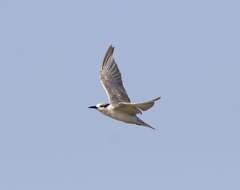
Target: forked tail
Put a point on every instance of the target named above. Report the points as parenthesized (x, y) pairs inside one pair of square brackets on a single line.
[(141, 122)]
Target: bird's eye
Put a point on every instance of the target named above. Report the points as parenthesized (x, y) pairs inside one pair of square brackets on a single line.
[(104, 105)]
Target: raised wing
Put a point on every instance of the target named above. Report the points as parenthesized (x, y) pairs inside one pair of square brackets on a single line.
[(111, 79)]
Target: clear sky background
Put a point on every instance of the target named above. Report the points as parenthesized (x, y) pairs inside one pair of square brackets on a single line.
[(185, 51)]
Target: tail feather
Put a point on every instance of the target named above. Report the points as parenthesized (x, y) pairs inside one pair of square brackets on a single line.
[(141, 122)]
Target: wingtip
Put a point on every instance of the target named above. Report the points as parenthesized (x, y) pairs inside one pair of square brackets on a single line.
[(110, 50), (108, 54), (111, 46), (158, 98)]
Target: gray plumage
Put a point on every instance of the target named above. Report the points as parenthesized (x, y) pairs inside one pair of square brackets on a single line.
[(111, 79), (119, 106)]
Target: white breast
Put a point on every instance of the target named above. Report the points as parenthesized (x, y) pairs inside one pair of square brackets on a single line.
[(121, 116)]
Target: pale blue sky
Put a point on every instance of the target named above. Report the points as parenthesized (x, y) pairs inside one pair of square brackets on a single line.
[(185, 51)]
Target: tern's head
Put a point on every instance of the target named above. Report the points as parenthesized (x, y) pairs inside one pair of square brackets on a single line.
[(99, 106)]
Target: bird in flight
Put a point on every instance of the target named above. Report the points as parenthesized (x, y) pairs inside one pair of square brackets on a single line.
[(119, 107)]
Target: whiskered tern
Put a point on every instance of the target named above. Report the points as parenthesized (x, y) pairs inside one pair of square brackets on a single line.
[(119, 106)]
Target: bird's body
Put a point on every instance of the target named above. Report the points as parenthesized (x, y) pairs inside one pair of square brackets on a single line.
[(119, 106), (119, 115)]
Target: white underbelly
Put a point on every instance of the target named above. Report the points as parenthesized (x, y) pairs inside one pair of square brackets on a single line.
[(123, 117)]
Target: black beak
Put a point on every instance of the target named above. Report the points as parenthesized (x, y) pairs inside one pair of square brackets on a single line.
[(93, 107)]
